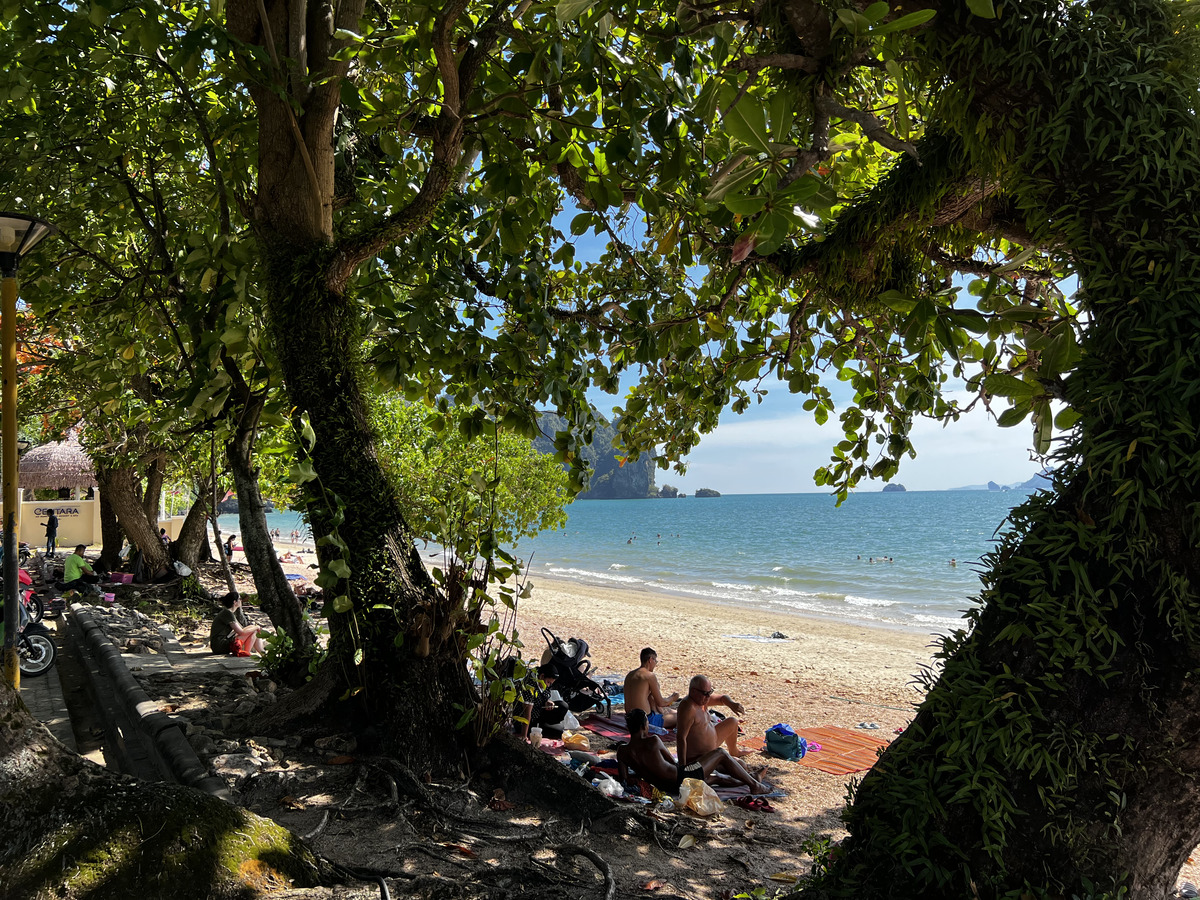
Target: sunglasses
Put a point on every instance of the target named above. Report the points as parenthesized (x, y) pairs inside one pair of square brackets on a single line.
[(707, 693)]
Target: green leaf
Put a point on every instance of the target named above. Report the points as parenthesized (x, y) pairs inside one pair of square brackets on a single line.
[(982, 8), (746, 120), (745, 206), (1008, 386), (339, 567), (570, 10), (912, 20), (342, 604)]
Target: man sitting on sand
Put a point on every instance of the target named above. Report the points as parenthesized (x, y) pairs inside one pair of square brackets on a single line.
[(695, 734), (642, 692), (648, 756)]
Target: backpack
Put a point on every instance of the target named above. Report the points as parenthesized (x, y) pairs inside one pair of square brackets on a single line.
[(782, 741)]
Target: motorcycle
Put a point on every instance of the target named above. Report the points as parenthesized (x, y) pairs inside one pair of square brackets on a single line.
[(35, 647), (33, 605)]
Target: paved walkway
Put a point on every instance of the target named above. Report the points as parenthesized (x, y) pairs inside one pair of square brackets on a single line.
[(44, 697)]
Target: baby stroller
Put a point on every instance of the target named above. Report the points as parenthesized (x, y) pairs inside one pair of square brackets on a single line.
[(571, 669)]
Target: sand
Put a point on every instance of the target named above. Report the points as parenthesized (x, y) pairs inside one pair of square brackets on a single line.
[(825, 673)]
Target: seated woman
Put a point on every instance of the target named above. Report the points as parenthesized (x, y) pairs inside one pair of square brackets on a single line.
[(231, 631)]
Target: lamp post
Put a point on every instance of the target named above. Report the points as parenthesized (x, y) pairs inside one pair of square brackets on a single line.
[(18, 235)]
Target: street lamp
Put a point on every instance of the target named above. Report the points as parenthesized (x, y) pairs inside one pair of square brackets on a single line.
[(19, 234)]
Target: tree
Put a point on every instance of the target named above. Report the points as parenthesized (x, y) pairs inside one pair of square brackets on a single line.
[(829, 170), (1060, 729)]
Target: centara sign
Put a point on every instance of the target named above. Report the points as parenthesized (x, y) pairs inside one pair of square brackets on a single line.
[(57, 510)]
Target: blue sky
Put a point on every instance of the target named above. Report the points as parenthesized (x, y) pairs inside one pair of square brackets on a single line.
[(775, 446)]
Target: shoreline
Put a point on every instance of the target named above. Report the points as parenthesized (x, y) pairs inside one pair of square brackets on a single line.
[(820, 675), (792, 614)]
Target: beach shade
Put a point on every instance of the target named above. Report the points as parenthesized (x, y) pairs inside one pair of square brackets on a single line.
[(54, 466)]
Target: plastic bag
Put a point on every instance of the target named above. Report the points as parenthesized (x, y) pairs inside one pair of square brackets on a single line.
[(697, 796), (576, 742), (182, 569), (609, 787), (569, 721)]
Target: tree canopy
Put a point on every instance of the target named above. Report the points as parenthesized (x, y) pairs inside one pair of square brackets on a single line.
[(786, 192)]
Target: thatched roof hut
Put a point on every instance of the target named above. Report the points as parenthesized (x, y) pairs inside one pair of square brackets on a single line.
[(54, 466)]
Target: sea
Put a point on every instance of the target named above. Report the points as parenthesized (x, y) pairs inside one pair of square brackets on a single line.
[(906, 560)]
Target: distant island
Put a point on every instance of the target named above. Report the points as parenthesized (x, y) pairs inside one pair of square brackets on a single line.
[(894, 489), (1042, 481), (706, 492)]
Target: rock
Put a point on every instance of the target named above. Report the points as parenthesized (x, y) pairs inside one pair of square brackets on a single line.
[(193, 728), (236, 765), (266, 699), (337, 743), (203, 744), (244, 708)]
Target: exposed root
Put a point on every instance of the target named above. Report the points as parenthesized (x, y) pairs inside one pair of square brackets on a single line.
[(610, 883)]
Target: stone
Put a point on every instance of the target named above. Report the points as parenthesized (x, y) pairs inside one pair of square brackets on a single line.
[(337, 743), (236, 765), (203, 744)]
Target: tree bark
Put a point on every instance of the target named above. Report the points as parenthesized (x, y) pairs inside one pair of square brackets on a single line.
[(275, 594), (396, 643), (112, 536), (119, 486), (193, 539), (152, 498)]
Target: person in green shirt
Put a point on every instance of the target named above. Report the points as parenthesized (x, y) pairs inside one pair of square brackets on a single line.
[(78, 574)]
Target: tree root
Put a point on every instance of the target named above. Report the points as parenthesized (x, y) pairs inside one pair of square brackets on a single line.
[(610, 883)]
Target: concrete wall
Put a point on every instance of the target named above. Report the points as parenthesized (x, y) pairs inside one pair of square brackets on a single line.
[(78, 523)]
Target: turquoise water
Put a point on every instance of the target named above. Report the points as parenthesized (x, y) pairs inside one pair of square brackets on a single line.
[(795, 553), (789, 552)]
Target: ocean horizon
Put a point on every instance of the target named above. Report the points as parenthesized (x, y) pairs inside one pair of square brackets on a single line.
[(909, 560)]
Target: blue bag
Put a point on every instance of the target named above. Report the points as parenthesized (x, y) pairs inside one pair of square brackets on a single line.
[(782, 741)]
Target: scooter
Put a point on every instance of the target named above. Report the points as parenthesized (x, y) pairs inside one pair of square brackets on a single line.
[(35, 647)]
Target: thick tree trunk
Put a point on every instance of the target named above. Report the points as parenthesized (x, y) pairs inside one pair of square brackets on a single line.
[(275, 594), (1057, 753), (112, 536), (193, 539), (72, 828), (119, 485), (412, 669)]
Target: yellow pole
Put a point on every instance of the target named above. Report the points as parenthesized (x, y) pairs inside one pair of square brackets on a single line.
[(8, 370)]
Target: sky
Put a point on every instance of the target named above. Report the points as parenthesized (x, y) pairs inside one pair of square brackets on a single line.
[(774, 448)]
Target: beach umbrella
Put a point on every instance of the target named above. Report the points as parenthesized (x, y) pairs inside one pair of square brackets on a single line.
[(59, 465)]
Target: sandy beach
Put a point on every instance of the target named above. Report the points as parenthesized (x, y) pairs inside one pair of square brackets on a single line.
[(825, 673)]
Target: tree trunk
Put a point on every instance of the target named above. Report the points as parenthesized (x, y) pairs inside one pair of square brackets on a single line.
[(72, 828), (193, 539), (112, 536), (412, 668), (119, 485), (275, 594), (152, 498), (1057, 752)]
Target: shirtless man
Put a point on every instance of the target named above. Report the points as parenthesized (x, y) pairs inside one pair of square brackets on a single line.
[(649, 757), (695, 733), (642, 692)]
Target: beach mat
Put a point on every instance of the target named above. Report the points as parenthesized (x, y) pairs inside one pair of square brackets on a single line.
[(843, 750), (732, 793), (614, 728)]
